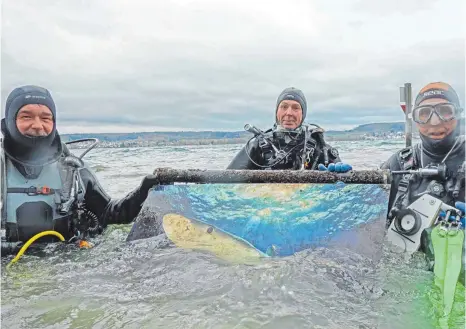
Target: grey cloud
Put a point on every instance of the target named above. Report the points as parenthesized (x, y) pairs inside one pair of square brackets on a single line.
[(212, 69)]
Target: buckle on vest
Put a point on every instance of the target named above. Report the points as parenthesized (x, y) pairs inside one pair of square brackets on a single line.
[(404, 183), (263, 144), (408, 165), (44, 190), (405, 153)]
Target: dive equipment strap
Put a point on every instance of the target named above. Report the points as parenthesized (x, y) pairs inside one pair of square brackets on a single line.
[(303, 159), (460, 180), (44, 190), (3, 186), (407, 161), (407, 158)]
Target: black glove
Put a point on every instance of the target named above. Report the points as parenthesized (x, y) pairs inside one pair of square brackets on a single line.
[(147, 183), (125, 210)]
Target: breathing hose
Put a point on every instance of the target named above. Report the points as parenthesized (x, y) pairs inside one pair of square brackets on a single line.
[(31, 241)]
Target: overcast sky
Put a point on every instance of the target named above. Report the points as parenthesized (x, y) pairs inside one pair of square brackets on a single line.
[(144, 65)]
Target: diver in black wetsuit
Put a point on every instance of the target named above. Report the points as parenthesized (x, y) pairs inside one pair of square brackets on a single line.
[(437, 113), (290, 144), (44, 186)]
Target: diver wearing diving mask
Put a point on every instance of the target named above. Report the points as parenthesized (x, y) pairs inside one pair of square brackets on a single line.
[(438, 116), (428, 179)]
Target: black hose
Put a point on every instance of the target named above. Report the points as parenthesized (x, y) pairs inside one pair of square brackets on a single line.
[(95, 140), (93, 222), (274, 163)]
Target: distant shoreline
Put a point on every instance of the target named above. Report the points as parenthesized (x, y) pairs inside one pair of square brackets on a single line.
[(203, 142), (374, 131)]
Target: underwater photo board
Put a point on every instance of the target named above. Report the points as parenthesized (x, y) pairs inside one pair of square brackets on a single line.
[(264, 219)]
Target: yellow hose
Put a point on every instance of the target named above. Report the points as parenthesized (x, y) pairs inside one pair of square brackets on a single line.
[(30, 241)]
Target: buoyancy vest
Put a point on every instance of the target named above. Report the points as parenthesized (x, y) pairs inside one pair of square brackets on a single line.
[(30, 206)]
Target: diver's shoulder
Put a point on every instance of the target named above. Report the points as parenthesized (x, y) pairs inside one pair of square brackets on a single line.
[(269, 132), (399, 157), (77, 162), (65, 149), (314, 128), (392, 163)]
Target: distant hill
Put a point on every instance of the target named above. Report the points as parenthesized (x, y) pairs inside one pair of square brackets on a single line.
[(183, 135), (380, 127), (384, 129), (369, 128)]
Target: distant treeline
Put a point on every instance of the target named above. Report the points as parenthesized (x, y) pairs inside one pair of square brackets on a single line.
[(159, 136), (211, 136)]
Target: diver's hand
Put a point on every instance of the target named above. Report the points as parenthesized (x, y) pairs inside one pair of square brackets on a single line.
[(461, 207), (126, 209), (338, 167), (147, 183)]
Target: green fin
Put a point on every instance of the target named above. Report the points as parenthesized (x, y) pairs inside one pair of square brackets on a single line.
[(453, 268), (439, 244)]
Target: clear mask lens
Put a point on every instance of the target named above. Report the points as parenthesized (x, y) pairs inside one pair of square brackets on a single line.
[(444, 111)]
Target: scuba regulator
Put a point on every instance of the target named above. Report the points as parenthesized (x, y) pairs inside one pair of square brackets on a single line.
[(311, 141), (410, 218), (277, 156), (85, 222)]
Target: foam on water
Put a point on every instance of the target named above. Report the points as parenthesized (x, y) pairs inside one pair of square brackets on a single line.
[(144, 284)]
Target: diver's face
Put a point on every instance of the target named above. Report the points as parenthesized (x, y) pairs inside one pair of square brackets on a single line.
[(436, 128), (34, 120), (289, 114)]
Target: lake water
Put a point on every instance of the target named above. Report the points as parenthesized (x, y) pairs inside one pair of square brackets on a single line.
[(120, 285)]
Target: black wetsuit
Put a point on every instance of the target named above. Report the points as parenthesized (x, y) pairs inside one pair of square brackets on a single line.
[(410, 158), (45, 187), (257, 154), (432, 153), (98, 204)]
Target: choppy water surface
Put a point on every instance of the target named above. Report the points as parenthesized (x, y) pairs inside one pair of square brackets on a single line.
[(143, 285)]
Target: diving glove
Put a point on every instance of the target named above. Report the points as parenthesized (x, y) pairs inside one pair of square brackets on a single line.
[(139, 195), (147, 183), (126, 209), (338, 167), (461, 207)]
